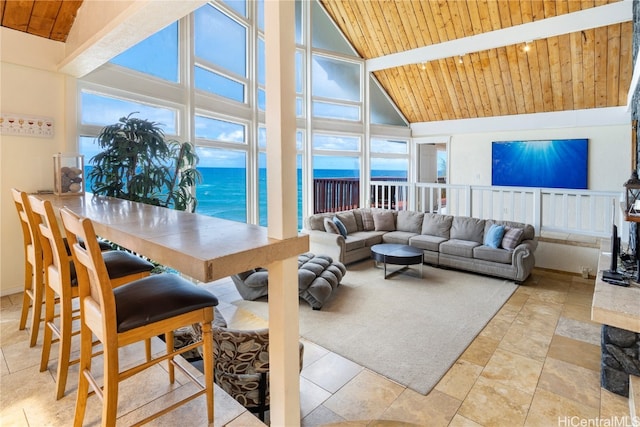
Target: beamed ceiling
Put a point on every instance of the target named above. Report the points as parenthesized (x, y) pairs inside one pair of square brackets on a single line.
[(585, 69)]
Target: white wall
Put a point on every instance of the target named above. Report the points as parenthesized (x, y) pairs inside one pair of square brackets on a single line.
[(609, 154), (26, 162)]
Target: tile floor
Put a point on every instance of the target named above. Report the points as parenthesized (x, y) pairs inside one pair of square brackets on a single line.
[(536, 363)]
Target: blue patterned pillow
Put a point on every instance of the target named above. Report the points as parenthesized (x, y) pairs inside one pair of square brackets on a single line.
[(340, 225), (493, 238)]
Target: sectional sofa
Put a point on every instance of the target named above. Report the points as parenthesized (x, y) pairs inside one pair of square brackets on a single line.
[(492, 247)]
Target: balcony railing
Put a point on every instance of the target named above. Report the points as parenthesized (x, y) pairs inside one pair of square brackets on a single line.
[(547, 209)]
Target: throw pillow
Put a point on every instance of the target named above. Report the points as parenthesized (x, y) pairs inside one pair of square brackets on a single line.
[(512, 237), (330, 226), (340, 225), (367, 220), (493, 238), (384, 221)]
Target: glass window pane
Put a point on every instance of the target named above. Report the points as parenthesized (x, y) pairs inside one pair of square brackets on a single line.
[(299, 71), (332, 78), (390, 169), (325, 35), (298, 22), (219, 85), (336, 111), (299, 107), (239, 6), (379, 145), (262, 137), (262, 189), (157, 55), (220, 40), (261, 68), (262, 100), (223, 191), (103, 110), (336, 142), (88, 147), (261, 15), (299, 139), (336, 167), (336, 183), (382, 109), (219, 130)]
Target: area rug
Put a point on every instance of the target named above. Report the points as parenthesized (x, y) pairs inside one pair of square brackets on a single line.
[(406, 328)]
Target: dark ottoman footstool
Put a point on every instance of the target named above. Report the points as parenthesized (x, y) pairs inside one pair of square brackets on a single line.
[(318, 277)]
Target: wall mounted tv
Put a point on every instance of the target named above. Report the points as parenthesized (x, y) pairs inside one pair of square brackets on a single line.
[(553, 163)]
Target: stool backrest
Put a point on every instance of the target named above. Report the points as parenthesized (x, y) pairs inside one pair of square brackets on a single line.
[(94, 285), (56, 260), (32, 244)]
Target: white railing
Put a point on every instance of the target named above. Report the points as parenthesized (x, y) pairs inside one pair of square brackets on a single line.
[(547, 209)]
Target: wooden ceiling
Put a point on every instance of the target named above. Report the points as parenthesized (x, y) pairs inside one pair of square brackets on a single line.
[(51, 19), (582, 70), (587, 69)]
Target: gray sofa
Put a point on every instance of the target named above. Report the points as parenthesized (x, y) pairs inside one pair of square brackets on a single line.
[(448, 241)]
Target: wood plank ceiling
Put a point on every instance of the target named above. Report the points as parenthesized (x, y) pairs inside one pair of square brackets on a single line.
[(587, 69), (51, 19)]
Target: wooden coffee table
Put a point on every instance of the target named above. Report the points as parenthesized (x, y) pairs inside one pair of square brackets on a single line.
[(396, 254)]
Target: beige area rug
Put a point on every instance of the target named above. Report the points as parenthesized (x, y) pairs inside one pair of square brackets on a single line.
[(408, 329)]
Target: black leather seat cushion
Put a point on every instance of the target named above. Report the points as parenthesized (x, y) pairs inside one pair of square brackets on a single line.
[(119, 264), (158, 297), (104, 246)]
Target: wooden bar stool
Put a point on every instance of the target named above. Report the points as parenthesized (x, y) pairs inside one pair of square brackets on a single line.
[(32, 296), (61, 286), (130, 313)]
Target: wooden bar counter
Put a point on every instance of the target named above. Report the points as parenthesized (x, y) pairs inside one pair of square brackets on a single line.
[(199, 246)]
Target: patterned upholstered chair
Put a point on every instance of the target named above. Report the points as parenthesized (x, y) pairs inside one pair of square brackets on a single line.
[(318, 278), (242, 366)]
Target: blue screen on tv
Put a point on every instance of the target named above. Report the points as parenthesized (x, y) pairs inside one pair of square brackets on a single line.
[(558, 163)]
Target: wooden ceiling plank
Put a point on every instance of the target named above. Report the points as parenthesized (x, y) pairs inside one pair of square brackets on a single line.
[(613, 65), (473, 85), (434, 76), (494, 15), (526, 14), (414, 38), (577, 68), (626, 37), (525, 80), (2, 3), (465, 26), (516, 80), (492, 99), (16, 15), (449, 25), (421, 17), (399, 25), (436, 29), (485, 106), (498, 83), (549, 8), (546, 88), (534, 76), (429, 87), (485, 17), (600, 69), (367, 37), (505, 77), (564, 45), (454, 90), (386, 44), (43, 17), (420, 91), (64, 21), (465, 87), (474, 17), (588, 65)]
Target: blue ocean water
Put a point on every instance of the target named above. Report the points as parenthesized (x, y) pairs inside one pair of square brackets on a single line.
[(223, 194)]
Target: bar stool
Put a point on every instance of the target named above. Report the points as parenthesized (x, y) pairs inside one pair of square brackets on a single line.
[(61, 285), (130, 313), (32, 296)]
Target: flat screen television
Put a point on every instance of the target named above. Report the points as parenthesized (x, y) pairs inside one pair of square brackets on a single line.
[(553, 163)]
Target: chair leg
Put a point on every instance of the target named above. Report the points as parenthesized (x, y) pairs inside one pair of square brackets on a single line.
[(207, 351), (110, 388), (64, 345), (26, 295), (49, 314), (86, 349), (36, 310), (168, 338)]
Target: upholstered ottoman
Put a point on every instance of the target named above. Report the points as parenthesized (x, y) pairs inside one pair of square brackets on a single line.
[(318, 277)]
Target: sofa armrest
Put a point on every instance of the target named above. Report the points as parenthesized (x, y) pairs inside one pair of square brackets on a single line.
[(523, 259), (323, 243)]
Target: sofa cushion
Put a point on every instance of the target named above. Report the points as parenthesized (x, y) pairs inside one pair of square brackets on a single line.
[(353, 242), (330, 226), (529, 232), (409, 221), (367, 220), (487, 253), (458, 247), (512, 238), (399, 237), (340, 226), (370, 238), (384, 221), (437, 225), (427, 242), (493, 236), (466, 228), (349, 220)]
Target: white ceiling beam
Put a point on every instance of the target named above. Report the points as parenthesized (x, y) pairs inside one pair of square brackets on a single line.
[(595, 17)]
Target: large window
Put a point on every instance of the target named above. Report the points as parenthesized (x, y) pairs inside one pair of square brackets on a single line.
[(335, 88)]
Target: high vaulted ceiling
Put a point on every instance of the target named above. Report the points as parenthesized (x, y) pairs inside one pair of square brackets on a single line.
[(585, 69), (582, 69)]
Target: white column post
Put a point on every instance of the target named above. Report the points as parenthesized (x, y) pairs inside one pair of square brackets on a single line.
[(284, 362)]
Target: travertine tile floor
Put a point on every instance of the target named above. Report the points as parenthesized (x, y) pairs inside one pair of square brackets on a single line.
[(535, 364)]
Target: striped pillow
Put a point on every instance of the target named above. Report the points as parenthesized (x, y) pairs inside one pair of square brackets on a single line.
[(511, 238), (367, 220)]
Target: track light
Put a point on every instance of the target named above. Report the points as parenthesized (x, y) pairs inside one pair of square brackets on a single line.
[(423, 66), (460, 59), (527, 47)]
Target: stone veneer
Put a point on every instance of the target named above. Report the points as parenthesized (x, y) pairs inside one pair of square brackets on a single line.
[(620, 358)]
